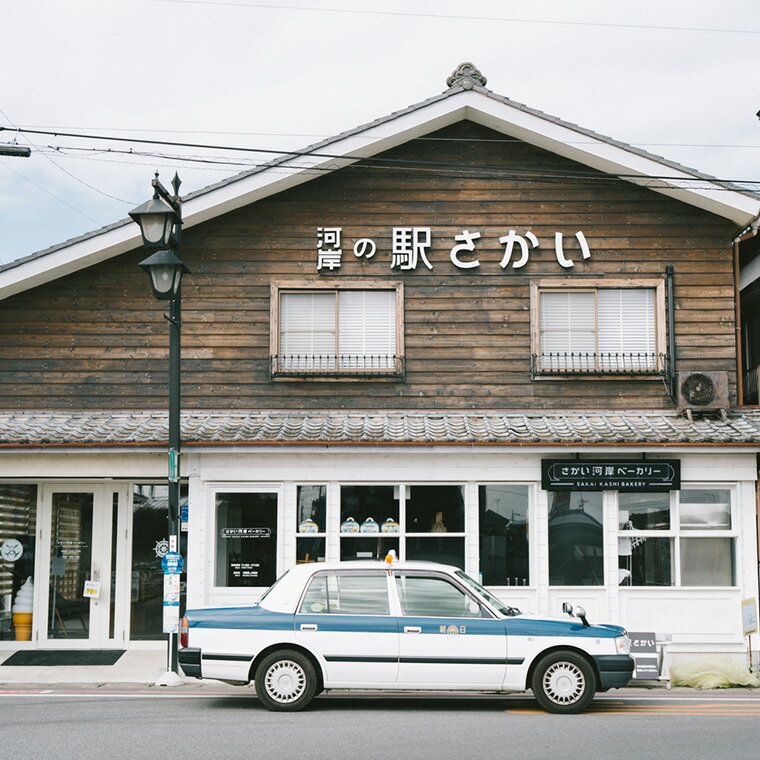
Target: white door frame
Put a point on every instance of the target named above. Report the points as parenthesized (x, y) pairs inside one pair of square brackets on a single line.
[(103, 541)]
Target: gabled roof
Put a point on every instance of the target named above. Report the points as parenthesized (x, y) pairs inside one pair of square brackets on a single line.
[(466, 98), (30, 429)]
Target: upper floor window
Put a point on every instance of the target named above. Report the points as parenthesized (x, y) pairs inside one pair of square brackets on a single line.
[(341, 330), (595, 327)]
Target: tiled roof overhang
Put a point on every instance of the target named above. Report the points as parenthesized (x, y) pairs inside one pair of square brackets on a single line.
[(518, 428)]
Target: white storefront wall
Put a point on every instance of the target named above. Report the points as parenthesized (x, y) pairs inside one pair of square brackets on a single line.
[(699, 619)]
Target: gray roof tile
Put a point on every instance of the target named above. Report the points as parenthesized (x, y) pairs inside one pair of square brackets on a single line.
[(77, 428)]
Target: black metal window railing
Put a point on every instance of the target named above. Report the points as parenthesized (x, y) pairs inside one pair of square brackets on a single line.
[(334, 365), (606, 363)]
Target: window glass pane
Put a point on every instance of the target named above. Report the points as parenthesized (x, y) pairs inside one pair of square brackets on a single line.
[(70, 565), (18, 525), (347, 595), (645, 561), (367, 328), (705, 509), (447, 551), (435, 509), (149, 527), (644, 511), (362, 502), (575, 539), (504, 559), (433, 597), (626, 324), (311, 506), (307, 331), (309, 549), (707, 562), (371, 547), (246, 539)]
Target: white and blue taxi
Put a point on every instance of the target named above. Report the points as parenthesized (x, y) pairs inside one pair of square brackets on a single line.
[(399, 626)]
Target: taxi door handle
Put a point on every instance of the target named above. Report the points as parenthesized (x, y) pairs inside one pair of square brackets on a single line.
[(308, 627), (412, 629)]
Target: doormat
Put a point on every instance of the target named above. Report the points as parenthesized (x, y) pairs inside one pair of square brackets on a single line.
[(56, 657)]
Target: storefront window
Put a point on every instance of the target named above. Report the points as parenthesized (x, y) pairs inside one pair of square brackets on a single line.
[(576, 555), (504, 557), (651, 538), (246, 539), (18, 524), (369, 521), (311, 523), (149, 537)]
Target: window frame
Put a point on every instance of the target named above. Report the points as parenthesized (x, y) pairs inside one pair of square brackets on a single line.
[(280, 287), (593, 285), (676, 533)]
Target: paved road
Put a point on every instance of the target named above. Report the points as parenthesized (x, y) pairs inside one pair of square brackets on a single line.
[(152, 723)]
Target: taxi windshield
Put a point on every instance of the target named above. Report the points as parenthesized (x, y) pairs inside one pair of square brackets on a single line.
[(505, 609)]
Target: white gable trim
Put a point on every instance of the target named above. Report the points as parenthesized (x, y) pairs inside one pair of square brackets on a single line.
[(478, 105)]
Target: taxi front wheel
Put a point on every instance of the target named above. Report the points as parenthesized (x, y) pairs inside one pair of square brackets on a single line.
[(563, 682), (285, 680)]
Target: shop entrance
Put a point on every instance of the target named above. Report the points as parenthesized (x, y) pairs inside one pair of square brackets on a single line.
[(83, 559)]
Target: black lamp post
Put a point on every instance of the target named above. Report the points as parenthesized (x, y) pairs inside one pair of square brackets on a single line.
[(160, 221)]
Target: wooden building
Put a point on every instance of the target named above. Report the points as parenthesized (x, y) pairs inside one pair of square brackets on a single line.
[(468, 331)]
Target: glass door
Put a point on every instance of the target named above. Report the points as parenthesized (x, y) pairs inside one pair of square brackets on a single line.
[(81, 558)]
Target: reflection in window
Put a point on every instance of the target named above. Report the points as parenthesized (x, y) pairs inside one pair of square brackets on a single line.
[(346, 595), (703, 509), (18, 524), (447, 551), (645, 561), (149, 529), (644, 511), (576, 556), (435, 509), (246, 539), (707, 562), (426, 596), (504, 557)]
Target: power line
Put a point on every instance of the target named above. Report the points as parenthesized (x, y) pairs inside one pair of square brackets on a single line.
[(458, 17), (348, 157), (518, 175), (308, 135)]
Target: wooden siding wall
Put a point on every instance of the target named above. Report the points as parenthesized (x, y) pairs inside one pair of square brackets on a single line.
[(96, 339)]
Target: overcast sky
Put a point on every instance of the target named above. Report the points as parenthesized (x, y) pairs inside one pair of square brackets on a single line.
[(676, 77)]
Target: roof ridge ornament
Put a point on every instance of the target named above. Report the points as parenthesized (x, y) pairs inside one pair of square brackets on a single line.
[(466, 75)]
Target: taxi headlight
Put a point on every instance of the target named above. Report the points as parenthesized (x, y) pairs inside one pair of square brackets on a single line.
[(623, 644)]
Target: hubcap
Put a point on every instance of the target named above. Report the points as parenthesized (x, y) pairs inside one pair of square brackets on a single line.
[(564, 683), (285, 681)]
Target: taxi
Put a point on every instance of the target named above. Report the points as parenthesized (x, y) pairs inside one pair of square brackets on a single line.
[(399, 626)]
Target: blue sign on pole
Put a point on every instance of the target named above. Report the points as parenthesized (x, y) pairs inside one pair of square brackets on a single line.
[(172, 562)]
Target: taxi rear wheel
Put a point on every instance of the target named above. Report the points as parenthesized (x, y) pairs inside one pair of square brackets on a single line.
[(286, 681), (563, 682)]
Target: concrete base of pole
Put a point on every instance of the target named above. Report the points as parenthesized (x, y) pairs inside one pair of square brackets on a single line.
[(169, 678)]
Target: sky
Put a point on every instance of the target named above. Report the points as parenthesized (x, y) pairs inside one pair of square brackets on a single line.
[(678, 78)]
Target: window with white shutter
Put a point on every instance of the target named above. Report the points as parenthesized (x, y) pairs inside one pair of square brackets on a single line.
[(336, 331), (594, 329)]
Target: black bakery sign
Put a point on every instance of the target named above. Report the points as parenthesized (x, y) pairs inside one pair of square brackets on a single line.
[(610, 475)]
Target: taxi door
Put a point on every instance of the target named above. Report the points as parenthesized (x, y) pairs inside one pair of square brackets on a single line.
[(445, 637), (345, 619)]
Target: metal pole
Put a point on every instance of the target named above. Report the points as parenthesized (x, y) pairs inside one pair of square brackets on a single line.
[(175, 340)]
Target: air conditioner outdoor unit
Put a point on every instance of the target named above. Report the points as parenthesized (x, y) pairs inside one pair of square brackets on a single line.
[(703, 390)]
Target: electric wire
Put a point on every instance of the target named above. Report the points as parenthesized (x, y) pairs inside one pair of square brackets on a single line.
[(376, 159), (556, 22)]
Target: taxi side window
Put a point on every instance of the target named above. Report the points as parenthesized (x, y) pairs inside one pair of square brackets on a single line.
[(427, 596), (346, 595)]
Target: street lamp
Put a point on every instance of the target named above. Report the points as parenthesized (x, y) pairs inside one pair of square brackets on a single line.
[(160, 221)]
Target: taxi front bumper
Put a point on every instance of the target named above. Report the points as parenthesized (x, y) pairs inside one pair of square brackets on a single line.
[(615, 670)]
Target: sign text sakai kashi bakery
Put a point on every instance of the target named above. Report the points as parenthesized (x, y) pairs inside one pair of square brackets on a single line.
[(410, 248)]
